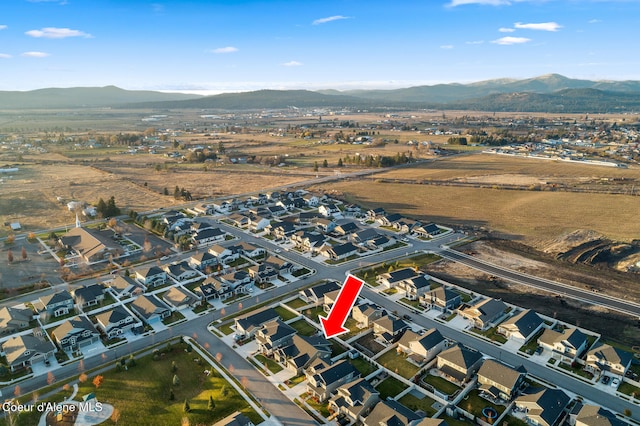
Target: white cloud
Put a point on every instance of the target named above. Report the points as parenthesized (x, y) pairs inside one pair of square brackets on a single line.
[(329, 19), (228, 49), (4, 56), (475, 42), (511, 40), (3, 27), (446, 46), (455, 3), (540, 26), (292, 64), (35, 54), (594, 21), (506, 30), (53, 32)]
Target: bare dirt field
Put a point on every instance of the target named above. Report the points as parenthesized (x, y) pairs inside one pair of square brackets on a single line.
[(534, 217), (613, 326)]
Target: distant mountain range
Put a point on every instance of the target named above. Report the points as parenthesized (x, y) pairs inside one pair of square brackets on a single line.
[(548, 93)]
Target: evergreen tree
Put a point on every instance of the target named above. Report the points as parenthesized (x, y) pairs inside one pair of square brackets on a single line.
[(212, 404), (340, 164), (315, 166), (325, 163), (186, 406)]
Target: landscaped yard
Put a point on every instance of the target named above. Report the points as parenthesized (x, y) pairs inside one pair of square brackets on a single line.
[(363, 366), (304, 328), (173, 318), (273, 366), (142, 393), (284, 313), (413, 403), (442, 385), (390, 387), (576, 370), (312, 313), (629, 389), (413, 303), (296, 303), (490, 333), (398, 364), (474, 404)]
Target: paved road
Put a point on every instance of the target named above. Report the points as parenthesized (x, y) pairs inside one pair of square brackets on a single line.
[(623, 306)]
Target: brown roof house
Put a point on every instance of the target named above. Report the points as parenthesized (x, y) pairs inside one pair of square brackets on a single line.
[(75, 333), (593, 415), (55, 305), (323, 379), (499, 380), (569, 344), (421, 347), (117, 321), (92, 245), (178, 298), (365, 314), (459, 363), (486, 313), (274, 335), (603, 357), (150, 309), (302, 352), (543, 406)]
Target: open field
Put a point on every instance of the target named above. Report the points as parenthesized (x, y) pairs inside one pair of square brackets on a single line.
[(532, 216)]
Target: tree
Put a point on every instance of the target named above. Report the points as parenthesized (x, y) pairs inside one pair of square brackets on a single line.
[(176, 380), (212, 404), (325, 163), (315, 166), (186, 407), (10, 256), (224, 390), (115, 415), (174, 367), (97, 381), (340, 164), (171, 395)]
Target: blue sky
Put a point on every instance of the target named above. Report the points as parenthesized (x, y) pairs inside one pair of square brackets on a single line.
[(220, 46)]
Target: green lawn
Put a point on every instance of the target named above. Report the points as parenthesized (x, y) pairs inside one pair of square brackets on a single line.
[(398, 364), (226, 327), (141, 393), (296, 303), (390, 387), (284, 313), (474, 404), (304, 328), (441, 384), (512, 421), (273, 366), (173, 318), (413, 303), (490, 333), (629, 389), (415, 404), (363, 366), (296, 380), (312, 313)]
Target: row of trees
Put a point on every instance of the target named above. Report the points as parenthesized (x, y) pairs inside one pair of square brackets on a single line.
[(109, 208), (379, 160)]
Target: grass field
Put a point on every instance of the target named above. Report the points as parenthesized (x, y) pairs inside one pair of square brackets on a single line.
[(529, 215), (390, 387), (398, 363)]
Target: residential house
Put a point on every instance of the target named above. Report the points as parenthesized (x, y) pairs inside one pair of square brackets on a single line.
[(223, 207), (55, 305), (324, 225), (389, 219), (250, 250), (441, 298), (363, 236), (323, 379), (422, 347), (391, 413), (388, 329), (499, 380), (352, 210), (225, 254), (429, 230), (75, 333), (181, 271), (543, 406), (459, 363), (339, 252), (212, 288), (569, 344), (117, 321), (311, 200), (281, 230), (87, 296), (178, 298), (249, 324), (308, 241), (380, 242), (328, 210), (150, 309), (124, 287), (416, 287), (13, 319), (406, 225), (346, 227), (522, 326), (394, 278), (258, 223), (92, 245), (486, 313), (208, 236), (316, 293), (606, 358), (22, 351), (366, 313), (152, 276), (235, 419), (355, 400), (273, 335), (593, 415), (277, 210), (373, 214), (202, 261), (239, 220), (204, 209), (302, 352)]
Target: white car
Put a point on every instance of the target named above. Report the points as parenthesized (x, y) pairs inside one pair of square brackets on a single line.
[(277, 250), (615, 383)]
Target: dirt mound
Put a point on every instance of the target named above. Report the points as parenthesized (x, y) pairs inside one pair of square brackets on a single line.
[(571, 240)]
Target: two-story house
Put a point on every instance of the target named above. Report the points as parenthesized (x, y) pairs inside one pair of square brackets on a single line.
[(274, 335), (354, 400), (117, 321), (499, 380), (459, 363), (606, 358), (422, 348), (302, 352), (56, 304), (522, 326), (568, 344), (87, 296), (75, 333), (151, 276), (441, 298), (323, 379)]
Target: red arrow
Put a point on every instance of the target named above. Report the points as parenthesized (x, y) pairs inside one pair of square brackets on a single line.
[(333, 325)]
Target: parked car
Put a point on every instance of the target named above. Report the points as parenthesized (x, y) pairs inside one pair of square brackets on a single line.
[(615, 383), (605, 380)]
